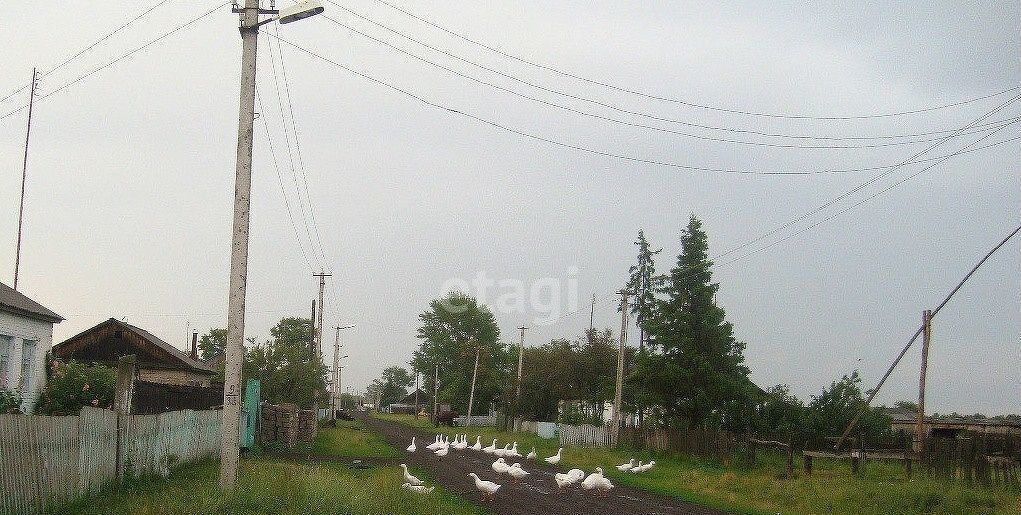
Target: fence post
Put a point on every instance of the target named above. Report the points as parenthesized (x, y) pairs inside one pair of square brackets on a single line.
[(122, 403), (808, 464)]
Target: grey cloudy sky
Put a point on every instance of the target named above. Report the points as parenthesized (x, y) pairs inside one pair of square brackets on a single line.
[(131, 175)]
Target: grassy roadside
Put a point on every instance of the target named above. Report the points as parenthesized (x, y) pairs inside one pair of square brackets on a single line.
[(270, 485), (830, 490)]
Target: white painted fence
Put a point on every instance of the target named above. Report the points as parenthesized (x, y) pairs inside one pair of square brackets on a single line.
[(45, 461), (584, 436)]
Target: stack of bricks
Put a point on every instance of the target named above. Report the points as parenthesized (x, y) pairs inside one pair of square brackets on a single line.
[(280, 424), (308, 426)]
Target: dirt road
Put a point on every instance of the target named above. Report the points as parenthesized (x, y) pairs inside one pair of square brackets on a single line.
[(538, 494)]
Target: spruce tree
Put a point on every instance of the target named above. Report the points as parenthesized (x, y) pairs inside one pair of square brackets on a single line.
[(695, 369)]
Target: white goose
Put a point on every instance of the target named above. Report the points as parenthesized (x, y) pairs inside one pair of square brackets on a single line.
[(442, 451), (504, 452), (435, 445), (596, 481), (414, 481), (649, 465), (500, 466), (637, 468), (515, 471), (488, 488), (412, 447), (513, 452), (418, 488), (478, 444), (531, 454), (571, 477), (491, 448), (553, 460), (627, 466)]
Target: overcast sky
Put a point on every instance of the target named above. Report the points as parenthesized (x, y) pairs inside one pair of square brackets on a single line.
[(131, 171)]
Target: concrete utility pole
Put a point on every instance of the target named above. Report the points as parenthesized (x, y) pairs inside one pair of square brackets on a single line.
[(919, 446), (521, 359), (319, 322), (615, 428), (335, 398), (230, 427), (475, 375), (24, 176)]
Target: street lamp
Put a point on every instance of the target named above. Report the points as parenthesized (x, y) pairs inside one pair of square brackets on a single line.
[(230, 430)]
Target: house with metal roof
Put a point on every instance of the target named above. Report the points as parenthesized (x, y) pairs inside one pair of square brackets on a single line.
[(26, 334), (156, 360)]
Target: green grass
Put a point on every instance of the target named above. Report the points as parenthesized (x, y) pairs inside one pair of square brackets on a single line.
[(760, 489), (272, 486), (351, 438)]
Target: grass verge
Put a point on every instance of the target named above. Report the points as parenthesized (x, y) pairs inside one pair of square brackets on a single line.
[(351, 438)]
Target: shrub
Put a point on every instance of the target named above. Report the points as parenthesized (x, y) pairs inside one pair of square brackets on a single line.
[(10, 402), (73, 385)]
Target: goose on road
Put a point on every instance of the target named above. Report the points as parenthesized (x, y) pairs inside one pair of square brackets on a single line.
[(488, 488)]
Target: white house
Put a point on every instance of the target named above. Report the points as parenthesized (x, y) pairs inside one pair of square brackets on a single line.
[(26, 334)]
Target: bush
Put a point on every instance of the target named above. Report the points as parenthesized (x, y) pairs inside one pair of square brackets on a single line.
[(10, 402), (73, 385)]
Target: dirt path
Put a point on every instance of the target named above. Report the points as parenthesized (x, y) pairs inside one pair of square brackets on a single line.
[(537, 494)]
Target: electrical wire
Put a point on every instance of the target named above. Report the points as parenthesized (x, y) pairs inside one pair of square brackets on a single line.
[(609, 105), (623, 89), (625, 122), (297, 146), (290, 153), (668, 164), (280, 181), (121, 57)]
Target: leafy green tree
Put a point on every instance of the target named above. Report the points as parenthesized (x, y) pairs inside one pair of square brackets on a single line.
[(212, 344), (10, 402), (74, 384), (781, 415), (393, 385), (696, 374), (286, 366), (452, 329), (833, 409)]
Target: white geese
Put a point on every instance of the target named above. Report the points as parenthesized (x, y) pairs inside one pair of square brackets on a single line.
[(500, 466), (436, 444), (596, 481), (418, 488), (627, 466), (505, 451), (553, 460), (478, 443), (571, 477), (488, 488), (513, 452), (412, 447), (643, 468), (531, 455), (458, 443), (491, 448), (442, 451), (410, 479), (637, 468), (515, 471)]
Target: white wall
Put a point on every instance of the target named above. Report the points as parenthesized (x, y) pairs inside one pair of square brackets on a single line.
[(26, 329)]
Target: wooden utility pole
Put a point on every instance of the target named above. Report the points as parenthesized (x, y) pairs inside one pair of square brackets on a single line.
[(417, 388), (919, 446), (24, 176), (475, 375), (592, 320), (615, 428), (319, 323), (312, 330)]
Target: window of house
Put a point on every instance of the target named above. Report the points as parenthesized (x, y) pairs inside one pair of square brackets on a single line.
[(5, 353), (27, 377)]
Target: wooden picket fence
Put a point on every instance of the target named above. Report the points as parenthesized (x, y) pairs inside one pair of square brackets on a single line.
[(46, 461), (968, 460), (584, 435)]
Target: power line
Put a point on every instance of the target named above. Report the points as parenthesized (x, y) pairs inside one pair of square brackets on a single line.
[(280, 181), (581, 148), (297, 146), (290, 153), (122, 57), (611, 106), (617, 107), (623, 89)]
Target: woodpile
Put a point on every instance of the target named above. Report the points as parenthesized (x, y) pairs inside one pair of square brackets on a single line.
[(287, 425)]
